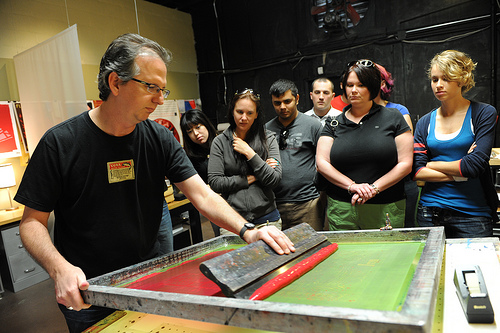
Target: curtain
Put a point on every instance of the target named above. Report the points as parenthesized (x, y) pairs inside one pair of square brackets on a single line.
[(50, 82)]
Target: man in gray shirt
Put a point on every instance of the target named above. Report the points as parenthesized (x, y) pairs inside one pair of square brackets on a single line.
[(296, 196)]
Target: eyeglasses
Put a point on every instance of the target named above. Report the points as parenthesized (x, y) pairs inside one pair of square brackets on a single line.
[(247, 90), (153, 88), (282, 140), (362, 62)]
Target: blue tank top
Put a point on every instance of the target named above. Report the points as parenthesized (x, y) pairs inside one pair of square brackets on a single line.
[(465, 197)]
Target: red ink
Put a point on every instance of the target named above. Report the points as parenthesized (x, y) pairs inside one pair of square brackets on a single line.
[(185, 279), (292, 274)]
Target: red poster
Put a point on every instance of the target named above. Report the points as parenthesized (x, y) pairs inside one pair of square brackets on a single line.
[(9, 144)]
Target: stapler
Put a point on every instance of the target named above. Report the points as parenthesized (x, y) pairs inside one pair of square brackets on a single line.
[(473, 295)]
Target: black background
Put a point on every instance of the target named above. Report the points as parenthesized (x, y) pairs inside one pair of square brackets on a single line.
[(263, 40)]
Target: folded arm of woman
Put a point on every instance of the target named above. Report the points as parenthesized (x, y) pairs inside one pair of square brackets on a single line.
[(442, 171), (266, 174), (472, 164), (217, 178), (421, 156)]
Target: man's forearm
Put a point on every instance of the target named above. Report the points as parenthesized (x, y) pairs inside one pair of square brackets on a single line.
[(37, 241), (217, 210)]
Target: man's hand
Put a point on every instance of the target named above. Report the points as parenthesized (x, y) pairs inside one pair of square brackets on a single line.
[(68, 283), (274, 237)]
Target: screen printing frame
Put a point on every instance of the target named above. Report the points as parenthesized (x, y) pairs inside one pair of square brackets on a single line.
[(416, 314)]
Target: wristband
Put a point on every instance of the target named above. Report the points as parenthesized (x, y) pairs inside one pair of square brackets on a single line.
[(246, 226)]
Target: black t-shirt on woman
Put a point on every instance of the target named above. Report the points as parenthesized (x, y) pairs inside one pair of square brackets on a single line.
[(366, 151)]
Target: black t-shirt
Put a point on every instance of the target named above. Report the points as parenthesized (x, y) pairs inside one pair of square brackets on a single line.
[(366, 151), (201, 166), (106, 191)]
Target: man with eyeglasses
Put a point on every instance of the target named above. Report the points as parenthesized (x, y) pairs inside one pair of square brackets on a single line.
[(102, 173), (296, 195), (321, 95)]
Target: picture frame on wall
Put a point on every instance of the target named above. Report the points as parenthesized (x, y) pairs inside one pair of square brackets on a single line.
[(9, 135)]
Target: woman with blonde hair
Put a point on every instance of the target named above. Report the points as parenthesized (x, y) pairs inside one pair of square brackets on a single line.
[(451, 153)]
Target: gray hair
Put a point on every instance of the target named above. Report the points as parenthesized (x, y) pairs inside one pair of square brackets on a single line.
[(120, 58)]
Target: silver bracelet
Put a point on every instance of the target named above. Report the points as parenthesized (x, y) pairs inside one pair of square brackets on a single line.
[(349, 188), (375, 187)]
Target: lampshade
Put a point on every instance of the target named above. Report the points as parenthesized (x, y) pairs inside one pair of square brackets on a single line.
[(7, 177)]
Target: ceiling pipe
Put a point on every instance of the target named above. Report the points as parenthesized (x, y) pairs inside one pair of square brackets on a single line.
[(221, 53)]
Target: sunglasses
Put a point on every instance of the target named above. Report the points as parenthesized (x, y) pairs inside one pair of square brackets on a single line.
[(282, 140), (247, 90), (362, 62)]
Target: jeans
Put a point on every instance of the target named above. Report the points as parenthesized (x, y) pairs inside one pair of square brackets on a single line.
[(79, 321), (456, 224), (165, 235), (411, 191)]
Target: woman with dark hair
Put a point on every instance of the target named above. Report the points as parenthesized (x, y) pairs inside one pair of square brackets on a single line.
[(198, 133), (365, 153), (411, 188), (244, 164), (452, 150)]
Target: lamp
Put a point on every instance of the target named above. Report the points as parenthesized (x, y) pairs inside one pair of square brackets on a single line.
[(7, 180)]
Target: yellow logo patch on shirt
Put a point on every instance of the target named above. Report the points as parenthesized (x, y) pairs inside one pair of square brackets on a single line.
[(121, 171)]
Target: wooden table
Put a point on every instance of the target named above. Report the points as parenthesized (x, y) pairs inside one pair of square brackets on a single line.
[(179, 206), (9, 216)]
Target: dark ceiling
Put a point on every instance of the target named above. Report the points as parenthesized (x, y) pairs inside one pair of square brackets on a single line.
[(183, 5), (251, 43)]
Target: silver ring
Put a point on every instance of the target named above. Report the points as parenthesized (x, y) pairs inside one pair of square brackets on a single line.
[(69, 308)]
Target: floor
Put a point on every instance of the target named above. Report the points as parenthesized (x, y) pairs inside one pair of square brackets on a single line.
[(35, 310)]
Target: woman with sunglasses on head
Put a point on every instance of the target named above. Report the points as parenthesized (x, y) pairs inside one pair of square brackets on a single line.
[(198, 133), (244, 162), (452, 150), (365, 153), (411, 188)]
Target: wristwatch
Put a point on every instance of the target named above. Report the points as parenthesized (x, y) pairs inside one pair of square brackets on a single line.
[(246, 226)]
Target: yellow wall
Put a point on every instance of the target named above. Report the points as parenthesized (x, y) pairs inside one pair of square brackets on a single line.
[(26, 23)]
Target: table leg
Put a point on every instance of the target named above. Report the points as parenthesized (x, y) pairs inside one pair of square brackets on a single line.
[(195, 225)]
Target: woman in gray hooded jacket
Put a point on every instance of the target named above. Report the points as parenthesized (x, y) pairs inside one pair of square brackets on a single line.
[(244, 164)]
